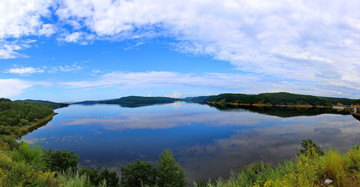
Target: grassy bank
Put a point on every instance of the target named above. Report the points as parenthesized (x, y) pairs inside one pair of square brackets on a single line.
[(312, 167)]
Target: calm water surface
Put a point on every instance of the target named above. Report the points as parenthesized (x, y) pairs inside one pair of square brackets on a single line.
[(206, 141)]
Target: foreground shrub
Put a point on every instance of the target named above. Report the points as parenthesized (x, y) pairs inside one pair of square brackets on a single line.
[(61, 161), (169, 173), (33, 155), (335, 167), (310, 168), (20, 173), (138, 174)]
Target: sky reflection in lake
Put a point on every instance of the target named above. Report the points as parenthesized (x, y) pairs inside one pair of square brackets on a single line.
[(207, 142)]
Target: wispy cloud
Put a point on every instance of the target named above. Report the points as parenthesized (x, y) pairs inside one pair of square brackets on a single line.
[(65, 68), (14, 87), (26, 70), (51, 69), (216, 82)]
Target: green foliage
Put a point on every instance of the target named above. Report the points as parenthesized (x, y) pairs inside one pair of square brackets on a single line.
[(170, 174), (335, 167), (33, 155), (137, 174), (61, 160), (14, 115), (98, 176), (49, 104), (344, 101), (353, 159), (309, 169), (7, 143), (21, 173), (167, 173), (308, 147)]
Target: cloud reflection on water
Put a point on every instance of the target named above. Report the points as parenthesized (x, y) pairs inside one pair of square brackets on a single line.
[(269, 144), (172, 120)]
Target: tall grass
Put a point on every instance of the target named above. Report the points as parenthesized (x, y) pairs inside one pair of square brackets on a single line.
[(310, 168), (77, 180), (335, 167)]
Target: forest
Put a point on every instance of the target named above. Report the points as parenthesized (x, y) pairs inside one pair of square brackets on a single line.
[(273, 99), (17, 117)]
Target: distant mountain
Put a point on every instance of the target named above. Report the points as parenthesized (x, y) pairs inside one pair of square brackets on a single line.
[(133, 101), (283, 112), (49, 104), (274, 99)]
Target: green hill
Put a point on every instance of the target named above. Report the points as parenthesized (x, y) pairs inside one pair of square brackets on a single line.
[(133, 101), (356, 102), (344, 101), (283, 112), (276, 99), (49, 104), (17, 117)]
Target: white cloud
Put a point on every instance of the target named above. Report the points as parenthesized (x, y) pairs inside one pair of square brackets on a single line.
[(173, 95), (301, 40), (51, 69), (65, 68), (8, 49), (313, 42), (77, 37), (13, 87), (22, 18), (26, 70)]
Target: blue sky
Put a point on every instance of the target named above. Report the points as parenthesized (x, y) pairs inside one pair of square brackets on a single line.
[(67, 50)]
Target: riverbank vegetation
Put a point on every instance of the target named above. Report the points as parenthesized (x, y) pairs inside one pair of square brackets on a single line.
[(17, 118), (278, 99), (274, 99), (49, 104), (312, 167)]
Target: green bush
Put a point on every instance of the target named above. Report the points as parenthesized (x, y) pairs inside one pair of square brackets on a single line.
[(61, 161), (138, 174), (169, 173), (33, 155), (334, 166), (98, 176), (308, 147)]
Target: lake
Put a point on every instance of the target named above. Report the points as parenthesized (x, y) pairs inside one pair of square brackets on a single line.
[(207, 141)]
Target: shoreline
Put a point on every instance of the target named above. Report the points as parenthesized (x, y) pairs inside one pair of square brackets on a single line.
[(270, 105), (35, 125)]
